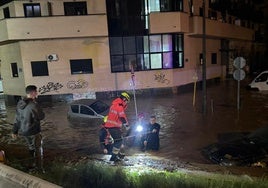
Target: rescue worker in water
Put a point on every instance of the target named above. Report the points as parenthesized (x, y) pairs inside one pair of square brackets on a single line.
[(116, 119)]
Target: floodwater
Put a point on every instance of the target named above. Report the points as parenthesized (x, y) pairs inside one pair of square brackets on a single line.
[(185, 129)]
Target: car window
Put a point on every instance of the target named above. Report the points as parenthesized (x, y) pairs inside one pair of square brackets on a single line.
[(99, 107), (262, 78), (85, 110), (75, 108)]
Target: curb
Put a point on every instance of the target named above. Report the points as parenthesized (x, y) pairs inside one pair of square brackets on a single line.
[(24, 179)]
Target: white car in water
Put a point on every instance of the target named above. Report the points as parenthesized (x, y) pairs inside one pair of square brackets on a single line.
[(260, 82), (87, 109)]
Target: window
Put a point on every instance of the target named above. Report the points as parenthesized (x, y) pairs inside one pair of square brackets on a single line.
[(6, 12), (75, 109), (99, 107), (171, 5), (201, 58), (85, 110), (262, 78), (81, 66), (39, 68), (14, 70), (212, 14), (32, 10), (146, 52), (214, 58), (75, 8), (201, 11), (129, 39), (131, 17)]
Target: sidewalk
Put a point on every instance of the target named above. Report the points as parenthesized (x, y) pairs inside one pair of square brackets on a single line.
[(12, 178)]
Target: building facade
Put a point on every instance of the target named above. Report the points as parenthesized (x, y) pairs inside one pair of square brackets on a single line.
[(82, 47)]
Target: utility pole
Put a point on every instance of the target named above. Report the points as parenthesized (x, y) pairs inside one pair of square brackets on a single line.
[(204, 79)]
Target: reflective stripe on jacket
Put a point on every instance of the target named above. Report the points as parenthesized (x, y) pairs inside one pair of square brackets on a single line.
[(117, 111)]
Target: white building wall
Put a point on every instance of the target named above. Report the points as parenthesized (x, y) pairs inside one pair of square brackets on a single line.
[(11, 53), (97, 49)]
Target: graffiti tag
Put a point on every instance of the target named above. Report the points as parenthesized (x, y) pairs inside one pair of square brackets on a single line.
[(79, 84), (161, 78), (51, 86)]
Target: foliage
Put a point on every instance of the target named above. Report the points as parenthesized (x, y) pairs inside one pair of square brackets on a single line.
[(101, 175)]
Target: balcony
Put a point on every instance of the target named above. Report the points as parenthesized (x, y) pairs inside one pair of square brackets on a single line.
[(168, 22), (14, 29), (218, 29)]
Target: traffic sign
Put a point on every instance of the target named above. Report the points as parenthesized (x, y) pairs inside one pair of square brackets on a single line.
[(239, 74), (239, 62)]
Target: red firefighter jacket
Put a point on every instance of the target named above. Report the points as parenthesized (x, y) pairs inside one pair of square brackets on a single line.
[(117, 116)]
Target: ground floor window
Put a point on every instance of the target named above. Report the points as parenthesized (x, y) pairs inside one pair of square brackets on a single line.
[(81, 66), (214, 58), (39, 68), (14, 69), (150, 52)]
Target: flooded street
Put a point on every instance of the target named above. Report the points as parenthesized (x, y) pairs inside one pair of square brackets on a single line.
[(185, 130)]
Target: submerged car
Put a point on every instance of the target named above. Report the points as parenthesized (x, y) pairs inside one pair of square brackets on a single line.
[(241, 149), (260, 82), (87, 109)]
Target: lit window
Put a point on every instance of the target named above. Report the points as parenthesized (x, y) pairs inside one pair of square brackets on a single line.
[(32, 10), (146, 52), (156, 61)]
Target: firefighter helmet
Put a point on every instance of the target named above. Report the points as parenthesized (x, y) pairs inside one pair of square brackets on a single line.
[(125, 95)]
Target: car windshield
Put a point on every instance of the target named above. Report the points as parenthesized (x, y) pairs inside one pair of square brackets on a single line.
[(99, 107)]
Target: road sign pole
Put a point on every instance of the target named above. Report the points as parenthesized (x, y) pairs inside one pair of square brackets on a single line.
[(238, 94), (239, 75)]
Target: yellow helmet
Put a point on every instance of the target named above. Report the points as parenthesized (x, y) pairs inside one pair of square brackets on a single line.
[(105, 119), (125, 95)]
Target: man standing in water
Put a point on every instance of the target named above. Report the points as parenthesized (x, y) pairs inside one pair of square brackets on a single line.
[(151, 141), (27, 123)]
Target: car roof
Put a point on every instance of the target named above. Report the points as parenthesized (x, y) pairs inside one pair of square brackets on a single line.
[(87, 102)]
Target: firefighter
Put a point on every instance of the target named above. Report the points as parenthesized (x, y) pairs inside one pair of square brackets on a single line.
[(105, 138), (116, 119)]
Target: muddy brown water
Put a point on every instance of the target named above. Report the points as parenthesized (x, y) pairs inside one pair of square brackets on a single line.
[(184, 127)]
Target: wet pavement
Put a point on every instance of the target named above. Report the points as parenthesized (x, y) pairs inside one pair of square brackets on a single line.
[(5, 183), (184, 127)]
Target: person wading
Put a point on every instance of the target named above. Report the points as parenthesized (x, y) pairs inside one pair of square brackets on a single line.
[(27, 123)]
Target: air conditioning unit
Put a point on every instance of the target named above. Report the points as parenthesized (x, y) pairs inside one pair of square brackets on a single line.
[(52, 57)]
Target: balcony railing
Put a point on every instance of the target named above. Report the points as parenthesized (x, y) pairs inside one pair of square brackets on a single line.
[(53, 27), (218, 29), (168, 22)]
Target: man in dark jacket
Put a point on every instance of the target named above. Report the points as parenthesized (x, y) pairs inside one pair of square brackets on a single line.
[(151, 141), (27, 123)]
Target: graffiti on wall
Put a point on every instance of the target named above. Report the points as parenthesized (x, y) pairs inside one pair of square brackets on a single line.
[(160, 77), (78, 84), (51, 86)]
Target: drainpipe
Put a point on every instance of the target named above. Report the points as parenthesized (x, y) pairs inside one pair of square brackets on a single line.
[(204, 62)]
